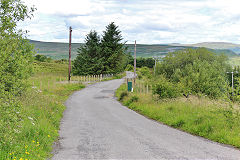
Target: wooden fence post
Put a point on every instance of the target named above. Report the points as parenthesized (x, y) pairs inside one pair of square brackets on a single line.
[(147, 88)]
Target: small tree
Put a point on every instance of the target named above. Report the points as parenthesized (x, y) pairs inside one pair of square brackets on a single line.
[(89, 60), (16, 53), (113, 51), (198, 70)]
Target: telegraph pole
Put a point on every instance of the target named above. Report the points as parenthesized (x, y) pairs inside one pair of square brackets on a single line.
[(70, 41), (232, 81), (135, 61), (155, 59)]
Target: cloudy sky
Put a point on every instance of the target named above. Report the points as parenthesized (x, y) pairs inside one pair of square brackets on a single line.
[(147, 21)]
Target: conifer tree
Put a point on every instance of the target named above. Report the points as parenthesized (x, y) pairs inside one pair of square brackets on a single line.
[(113, 51), (89, 60)]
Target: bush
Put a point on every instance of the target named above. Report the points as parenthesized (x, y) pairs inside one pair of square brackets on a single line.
[(122, 95), (132, 99), (129, 68), (143, 62), (201, 71), (16, 53), (165, 89), (42, 58), (144, 72)]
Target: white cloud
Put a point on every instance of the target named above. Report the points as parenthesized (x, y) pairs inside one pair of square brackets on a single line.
[(147, 21)]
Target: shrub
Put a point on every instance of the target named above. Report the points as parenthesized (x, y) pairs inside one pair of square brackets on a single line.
[(42, 58), (16, 53), (132, 99), (144, 72), (129, 68), (200, 70), (122, 95), (165, 89)]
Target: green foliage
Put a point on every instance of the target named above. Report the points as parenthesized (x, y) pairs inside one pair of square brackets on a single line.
[(144, 72), (143, 62), (15, 51), (122, 95), (89, 60), (42, 58), (133, 99), (62, 61), (129, 68), (199, 70), (113, 51), (105, 56), (166, 89)]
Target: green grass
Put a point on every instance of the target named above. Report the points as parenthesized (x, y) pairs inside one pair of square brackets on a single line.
[(235, 61), (30, 124), (214, 120)]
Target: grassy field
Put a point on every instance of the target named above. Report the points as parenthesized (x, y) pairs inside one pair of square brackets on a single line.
[(235, 61), (215, 120), (28, 130)]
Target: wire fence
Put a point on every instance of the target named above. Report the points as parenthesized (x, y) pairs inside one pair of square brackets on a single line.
[(44, 81), (139, 86)]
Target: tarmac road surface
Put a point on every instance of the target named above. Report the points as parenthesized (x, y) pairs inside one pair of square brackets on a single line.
[(96, 126)]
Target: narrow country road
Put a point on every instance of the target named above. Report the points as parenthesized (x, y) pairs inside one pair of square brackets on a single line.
[(96, 126)]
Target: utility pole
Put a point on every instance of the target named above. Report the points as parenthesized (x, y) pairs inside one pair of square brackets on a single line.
[(135, 61), (70, 41), (155, 59), (232, 81)]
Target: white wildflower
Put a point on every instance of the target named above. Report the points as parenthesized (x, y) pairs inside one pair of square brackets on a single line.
[(30, 118)]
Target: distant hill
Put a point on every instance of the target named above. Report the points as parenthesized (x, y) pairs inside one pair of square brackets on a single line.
[(57, 50), (215, 45)]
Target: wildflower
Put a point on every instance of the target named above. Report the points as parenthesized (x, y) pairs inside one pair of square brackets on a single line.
[(30, 118), (49, 136), (20, 159), (33, 141)]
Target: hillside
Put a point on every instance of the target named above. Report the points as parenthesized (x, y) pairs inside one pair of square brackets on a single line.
[(215, 45), (57, 50)]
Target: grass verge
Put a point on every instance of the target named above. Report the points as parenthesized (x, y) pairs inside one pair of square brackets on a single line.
[(203, 117), (29, 125)]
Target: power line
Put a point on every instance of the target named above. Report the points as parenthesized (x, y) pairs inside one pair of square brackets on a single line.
[(48, 33)]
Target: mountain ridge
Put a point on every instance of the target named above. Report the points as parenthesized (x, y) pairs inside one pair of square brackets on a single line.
[(59, 50)]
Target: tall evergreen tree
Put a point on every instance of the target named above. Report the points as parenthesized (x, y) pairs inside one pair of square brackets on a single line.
[(113, 51), (89, 60)]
